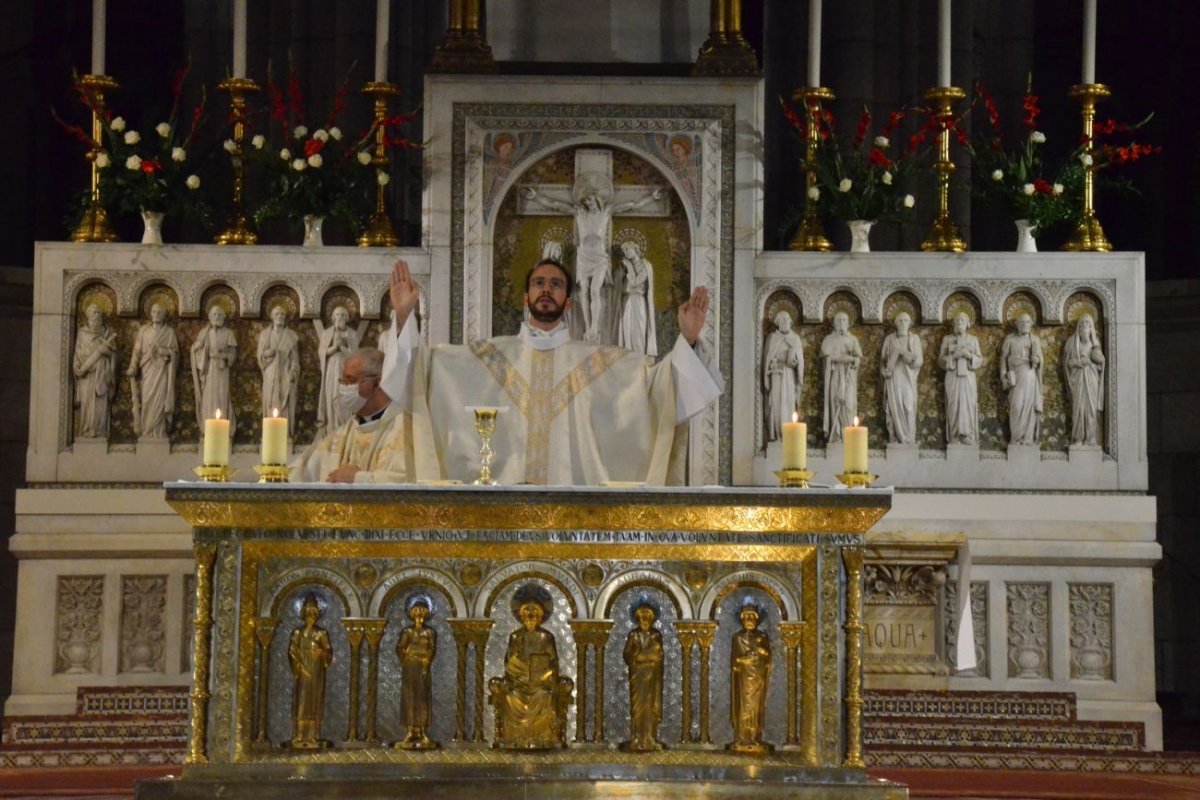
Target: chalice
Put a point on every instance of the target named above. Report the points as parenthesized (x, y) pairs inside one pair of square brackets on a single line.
[(485, 426)]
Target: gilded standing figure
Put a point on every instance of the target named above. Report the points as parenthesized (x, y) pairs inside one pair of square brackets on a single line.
[(416, 649), (309, 655), (750, 668), (644, 657)]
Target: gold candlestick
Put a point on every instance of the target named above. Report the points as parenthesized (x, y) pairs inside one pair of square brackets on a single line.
[(272, 473), (943, 235), (853, 480), (94, 226), (811, 233), (214, 474), (1089, 235), (485, 426), (239, 230), (794, 478), (378, 231)]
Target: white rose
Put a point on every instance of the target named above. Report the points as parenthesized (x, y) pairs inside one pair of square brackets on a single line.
[(364, 157), (315, 160), (299, 165), (844, 185), (134, 163), (300, 132), (163, 129), (382, 178), (886, 178), (1057, 188), (1028, 189), (117, 124), (285, 154), (881, 141), (230, 146), (909, 201), (178, 154), (1037, 137), (193, 181), (997, 175), (1086, 159), (814, 193), (321, 135), (335, 133), (102, 160), (258, 141), (132, 137)]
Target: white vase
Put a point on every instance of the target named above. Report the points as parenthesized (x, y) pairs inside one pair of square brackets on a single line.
[(153, 220), (860, 235), (312, 230), (1025, 241)]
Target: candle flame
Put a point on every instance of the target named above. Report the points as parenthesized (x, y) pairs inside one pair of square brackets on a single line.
[(217, 414), (856, 422), (795, 416), (274, 412)]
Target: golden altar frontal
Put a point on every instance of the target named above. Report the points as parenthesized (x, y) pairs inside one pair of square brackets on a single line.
[(549, 641)]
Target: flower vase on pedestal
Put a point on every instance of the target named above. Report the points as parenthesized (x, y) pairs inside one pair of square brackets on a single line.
[(312, 230), (153, 220), (860, 235), (1025, 241)]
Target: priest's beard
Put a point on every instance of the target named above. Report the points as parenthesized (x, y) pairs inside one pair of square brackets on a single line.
[(546, 313)]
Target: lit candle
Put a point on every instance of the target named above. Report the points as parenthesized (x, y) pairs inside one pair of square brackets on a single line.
[(943, 42), (239, 38), (814, 43), (855, 437), (216, 441), (98, 36), (382, 9), (795, 444), (1089, 41), (274, 441)]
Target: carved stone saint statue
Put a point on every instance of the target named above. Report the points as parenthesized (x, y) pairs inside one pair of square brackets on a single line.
[(960, 357), (151, 373), (279, 359), (94, 367), (782, 375), (1083, 362), (213, 354), (750, 672), (842, 354), (531, 699), (334, 345), (593, 210), (644, 658), (416, 649), (900, 362), (309, 654), (637, 330), (1021, 374)]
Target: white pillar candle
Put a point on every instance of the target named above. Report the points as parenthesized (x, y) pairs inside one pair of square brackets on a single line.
[(216, 441), (1089, 41), (274, 438), (795, 444), (98, 14), (382, 9), (239, 38), (855, 437), (814, 43), (944, 43)]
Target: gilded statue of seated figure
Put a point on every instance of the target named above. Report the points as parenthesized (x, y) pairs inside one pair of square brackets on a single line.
[(750, 668), (531, 700)]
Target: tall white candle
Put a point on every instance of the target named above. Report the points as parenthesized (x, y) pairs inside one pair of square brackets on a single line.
[(855, 454), (943, 42), (382, 9), (814, 43), (274, 439), (239, 38), (216, 441), (795, 444), (98, 14), (1089, 41)]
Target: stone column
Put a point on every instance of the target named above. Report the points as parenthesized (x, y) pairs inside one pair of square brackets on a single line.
[(726, 51), (464, 47)]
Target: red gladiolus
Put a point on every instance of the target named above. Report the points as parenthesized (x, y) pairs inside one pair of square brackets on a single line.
[(864, 123), (893, 122), (993, 113), (151, 166), (790, 114), (312, 146), (1030, 105), (879, 158)]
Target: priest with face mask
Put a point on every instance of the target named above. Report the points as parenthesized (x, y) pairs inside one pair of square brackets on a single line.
[(373, 445)]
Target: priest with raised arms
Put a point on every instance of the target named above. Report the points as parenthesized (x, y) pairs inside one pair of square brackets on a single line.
[(572, 413)]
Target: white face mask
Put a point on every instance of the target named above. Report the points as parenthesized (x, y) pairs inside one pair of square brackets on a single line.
[(349, 400)]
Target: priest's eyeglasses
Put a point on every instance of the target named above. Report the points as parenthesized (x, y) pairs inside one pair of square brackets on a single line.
[(347, 380), (541, 282)]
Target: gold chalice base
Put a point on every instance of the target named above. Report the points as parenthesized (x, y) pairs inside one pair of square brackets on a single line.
[(214, 474), (856, 480), (272, 473), (794, 478)]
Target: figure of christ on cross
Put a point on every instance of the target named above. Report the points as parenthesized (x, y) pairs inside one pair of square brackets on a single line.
[(582, 414)]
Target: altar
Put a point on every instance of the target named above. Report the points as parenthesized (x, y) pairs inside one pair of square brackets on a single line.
[(786, 714)]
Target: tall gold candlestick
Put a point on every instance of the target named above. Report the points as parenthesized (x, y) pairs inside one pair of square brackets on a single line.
[(811, 233), (378, 232), (943, 234), (239, 230), (1089, 235), (93, 225)]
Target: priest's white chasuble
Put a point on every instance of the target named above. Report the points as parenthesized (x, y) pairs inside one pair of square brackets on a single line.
[(572, 413), (381, 449)]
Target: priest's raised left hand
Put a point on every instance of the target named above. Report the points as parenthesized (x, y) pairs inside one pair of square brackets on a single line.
[(692, 315)]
